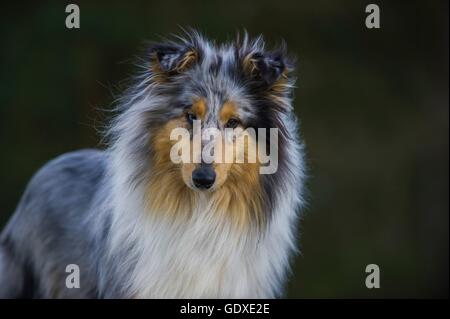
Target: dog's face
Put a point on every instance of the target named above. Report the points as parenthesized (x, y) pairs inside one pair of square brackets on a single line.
[(216, 94), (216, 126)]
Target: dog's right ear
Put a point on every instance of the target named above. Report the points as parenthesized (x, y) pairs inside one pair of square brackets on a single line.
[(168, 59)]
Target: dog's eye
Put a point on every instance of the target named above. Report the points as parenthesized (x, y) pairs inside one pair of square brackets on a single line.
[(191, 117), (232, 123)]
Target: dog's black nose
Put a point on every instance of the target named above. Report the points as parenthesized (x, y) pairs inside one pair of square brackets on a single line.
[(203, 176)]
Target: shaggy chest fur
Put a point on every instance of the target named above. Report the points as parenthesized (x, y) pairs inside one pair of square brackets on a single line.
[(199, 257)]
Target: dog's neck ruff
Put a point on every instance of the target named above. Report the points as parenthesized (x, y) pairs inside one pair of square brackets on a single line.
[(203, 256)]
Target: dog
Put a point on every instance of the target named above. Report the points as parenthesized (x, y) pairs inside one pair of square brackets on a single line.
[(137, 224)]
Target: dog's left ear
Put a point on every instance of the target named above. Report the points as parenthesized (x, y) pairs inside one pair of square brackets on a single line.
[(267, 68), (172, 59)]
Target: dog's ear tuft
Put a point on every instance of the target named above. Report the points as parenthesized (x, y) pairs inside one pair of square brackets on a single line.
[(265, 67), (172, 59)]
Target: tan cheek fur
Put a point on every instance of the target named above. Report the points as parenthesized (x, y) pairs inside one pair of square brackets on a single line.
[(167, 193), (241, 189)]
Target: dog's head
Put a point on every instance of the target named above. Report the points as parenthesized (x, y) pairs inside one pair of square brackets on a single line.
[(210, 91), (196, 98)]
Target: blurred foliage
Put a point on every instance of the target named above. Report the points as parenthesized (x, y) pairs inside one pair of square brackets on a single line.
[(373, 106)]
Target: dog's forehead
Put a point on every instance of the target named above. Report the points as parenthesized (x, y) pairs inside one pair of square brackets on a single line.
[(215, 80), (215, 95), (216, 75)]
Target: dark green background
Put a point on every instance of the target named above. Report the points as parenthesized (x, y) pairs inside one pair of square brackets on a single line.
[(373, 106)]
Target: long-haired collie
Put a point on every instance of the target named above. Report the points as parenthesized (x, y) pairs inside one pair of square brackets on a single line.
[(132, 221)]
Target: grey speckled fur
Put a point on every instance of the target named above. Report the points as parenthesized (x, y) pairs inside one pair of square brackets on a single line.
[(50, 229)]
